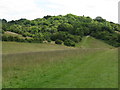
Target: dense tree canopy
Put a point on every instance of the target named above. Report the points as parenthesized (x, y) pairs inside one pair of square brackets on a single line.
[(68, 29)]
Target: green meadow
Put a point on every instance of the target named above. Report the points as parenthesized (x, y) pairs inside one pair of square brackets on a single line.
[(32, 65)]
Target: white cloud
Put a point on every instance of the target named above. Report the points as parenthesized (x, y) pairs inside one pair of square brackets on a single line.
[(16, 9), (31, 9), (108, 9)]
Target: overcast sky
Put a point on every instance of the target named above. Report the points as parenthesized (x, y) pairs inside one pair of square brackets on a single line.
[(32, 9)]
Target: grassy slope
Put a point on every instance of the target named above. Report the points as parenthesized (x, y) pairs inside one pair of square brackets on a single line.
[(9, 33), (85, 68), (12, 34), (15, 47), (90, 42)]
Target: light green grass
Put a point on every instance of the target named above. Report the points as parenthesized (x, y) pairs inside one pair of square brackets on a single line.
[(89, 68), (15, 47), (90, 42)]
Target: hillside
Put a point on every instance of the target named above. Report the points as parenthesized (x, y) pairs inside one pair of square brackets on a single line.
[(68, 30), (86, 42), (31, 65), (90, 42), (91, 64)]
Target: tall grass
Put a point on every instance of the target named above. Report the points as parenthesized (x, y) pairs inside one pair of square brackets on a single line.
[(74, 68), (15, 47)]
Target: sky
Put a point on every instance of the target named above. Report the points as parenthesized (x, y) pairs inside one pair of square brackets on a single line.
[(32, 9)]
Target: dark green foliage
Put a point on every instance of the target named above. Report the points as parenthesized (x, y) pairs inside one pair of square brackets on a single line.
[(65, 35), (79, 31), (1, 31), (47, 36), (76, 39), (58, 41), (5, 38), (46, 17), (69, 42), (65, 27), (12, 38), (38, 38), (59, 35), (100, 19), (72, 27)]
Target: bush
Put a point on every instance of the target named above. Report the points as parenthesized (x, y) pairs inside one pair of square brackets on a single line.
[(59, 35), (21, 40), (58, 41), (30, 40), (69, 42), (49, 40), (12, 38), (5, 38), (2, 31), (76, 39)]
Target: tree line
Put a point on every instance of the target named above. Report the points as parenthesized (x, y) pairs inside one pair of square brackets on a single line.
[(68, 29)]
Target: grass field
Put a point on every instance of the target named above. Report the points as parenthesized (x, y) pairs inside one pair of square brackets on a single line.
[(15, 47), (90, 42), (54, 66)]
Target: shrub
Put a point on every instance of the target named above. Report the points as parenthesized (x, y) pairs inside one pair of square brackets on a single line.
[(30, 40), (76, 39), (69, 42), (12, 38), (58, 41), (49, 40), (4, 38), (2, 31), (16, 38)]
